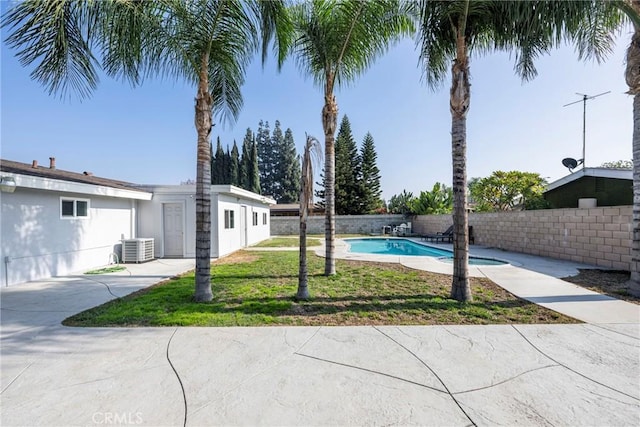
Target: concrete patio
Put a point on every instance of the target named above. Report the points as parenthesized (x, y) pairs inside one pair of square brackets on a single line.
[(582, 374)]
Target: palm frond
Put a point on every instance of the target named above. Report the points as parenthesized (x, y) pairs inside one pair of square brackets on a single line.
[(275, 23), (56, 36), (338, 40), (527, 29), (137, 39), (312, 156), (627, 8)]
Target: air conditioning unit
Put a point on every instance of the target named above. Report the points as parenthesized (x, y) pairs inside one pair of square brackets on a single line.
[(137, 250)]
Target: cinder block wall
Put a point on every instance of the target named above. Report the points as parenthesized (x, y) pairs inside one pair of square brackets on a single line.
[(600, 236), (431, 224), (345, 224)]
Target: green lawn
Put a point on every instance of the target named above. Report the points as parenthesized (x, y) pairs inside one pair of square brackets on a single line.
[(287, 242), (105, 270), (294, 241), (256, 288)]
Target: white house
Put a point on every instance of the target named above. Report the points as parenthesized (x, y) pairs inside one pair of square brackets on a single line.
[(55, 222)]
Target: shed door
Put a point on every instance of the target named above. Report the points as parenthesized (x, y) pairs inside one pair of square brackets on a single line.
[(173, 229)]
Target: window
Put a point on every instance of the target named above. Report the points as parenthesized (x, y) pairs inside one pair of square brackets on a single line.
[(255, 218), (264, 218), (74, 208), (228, 219)]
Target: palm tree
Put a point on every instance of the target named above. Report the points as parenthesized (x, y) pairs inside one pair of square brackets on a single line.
[(312, 151), (631, 8), (204, 42), (450, 30), (335, 42)]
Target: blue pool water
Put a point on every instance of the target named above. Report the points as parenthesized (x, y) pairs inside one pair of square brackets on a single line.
[(408, 248)]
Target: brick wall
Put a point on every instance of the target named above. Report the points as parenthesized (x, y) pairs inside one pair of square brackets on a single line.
[(600, 236), (345, 224)]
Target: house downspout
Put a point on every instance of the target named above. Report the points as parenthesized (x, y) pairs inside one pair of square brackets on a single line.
[(133, 222), (7, 260)]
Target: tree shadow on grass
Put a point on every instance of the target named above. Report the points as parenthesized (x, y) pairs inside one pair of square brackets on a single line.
[(288, 306)]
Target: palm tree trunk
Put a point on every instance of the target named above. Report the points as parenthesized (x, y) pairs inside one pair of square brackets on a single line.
[(303, 289), (632, 76), (203, 186), (634, 281), (459, 105), (306, 197), (329, 123)]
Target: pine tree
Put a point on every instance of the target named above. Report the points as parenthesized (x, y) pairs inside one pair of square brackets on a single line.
[(234, 165), (319, 193), (288, 170), (347, 170), (370, 177)]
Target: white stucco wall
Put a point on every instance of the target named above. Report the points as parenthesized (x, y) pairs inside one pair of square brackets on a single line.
[(228, 239), (224, 197), (151, 217), (231, 240), (262, 231), (39, 243)]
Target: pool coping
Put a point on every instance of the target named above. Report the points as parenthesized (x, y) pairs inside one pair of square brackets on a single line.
[(426, 263), (430, 246)]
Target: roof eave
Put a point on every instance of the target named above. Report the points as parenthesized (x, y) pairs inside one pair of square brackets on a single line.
[(48, 184), (593, 172)]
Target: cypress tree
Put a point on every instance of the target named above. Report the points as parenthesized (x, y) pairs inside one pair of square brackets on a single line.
[(243, 178), (288, 170), (217, 174), (234, 165), (266, 157), (254, 175), (213, 164), (227, 167), (370, 177), (273, 186)]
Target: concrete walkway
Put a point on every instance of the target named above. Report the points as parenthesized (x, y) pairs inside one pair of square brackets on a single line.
[(584, 374), (535, 279)]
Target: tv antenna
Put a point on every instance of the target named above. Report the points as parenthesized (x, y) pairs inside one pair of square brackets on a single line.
[(584, 100)]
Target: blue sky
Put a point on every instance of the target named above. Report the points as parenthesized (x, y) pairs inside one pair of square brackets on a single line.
[(146, 134)]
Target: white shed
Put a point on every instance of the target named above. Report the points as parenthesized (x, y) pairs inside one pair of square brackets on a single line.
[(239, 218)]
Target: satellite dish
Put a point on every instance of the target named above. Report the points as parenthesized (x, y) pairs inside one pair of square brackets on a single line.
[(571, 163)]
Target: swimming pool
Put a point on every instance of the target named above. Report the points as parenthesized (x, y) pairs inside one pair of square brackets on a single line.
[(407, 247)]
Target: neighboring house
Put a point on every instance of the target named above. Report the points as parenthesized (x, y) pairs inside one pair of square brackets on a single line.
[(293, 209), (57, 222), (609, 187)]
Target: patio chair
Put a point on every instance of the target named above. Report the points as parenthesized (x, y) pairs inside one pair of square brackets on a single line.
[(440, 237)]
